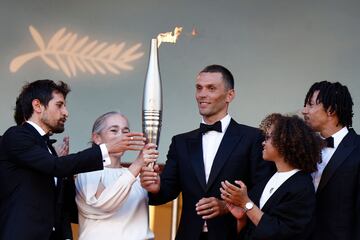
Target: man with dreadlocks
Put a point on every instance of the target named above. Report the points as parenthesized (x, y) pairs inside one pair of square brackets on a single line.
[(328, 110)]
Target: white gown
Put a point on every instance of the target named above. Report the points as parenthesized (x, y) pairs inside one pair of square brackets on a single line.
[(121, 211)]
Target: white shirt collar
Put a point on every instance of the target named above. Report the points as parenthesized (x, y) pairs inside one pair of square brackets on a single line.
[(339, 135), (37, 127)]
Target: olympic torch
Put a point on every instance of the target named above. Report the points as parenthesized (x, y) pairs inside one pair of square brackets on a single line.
[(152, 104), (152, 98)]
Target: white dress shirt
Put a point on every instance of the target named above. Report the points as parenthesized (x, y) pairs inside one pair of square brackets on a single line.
[(326, 154), (210, 143)]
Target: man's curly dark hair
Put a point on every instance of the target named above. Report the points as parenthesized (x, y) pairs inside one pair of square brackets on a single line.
[(294, 140), (41, 90)]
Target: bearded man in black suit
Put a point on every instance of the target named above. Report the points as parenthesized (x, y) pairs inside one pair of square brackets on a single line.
[(199, 160), (36, 186)]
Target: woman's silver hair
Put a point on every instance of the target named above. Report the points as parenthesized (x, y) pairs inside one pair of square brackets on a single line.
[(99, 123)]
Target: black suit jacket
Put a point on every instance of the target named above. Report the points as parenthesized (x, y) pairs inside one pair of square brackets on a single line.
[(287, 213), (338, 194), (238, 157), (30, 203)]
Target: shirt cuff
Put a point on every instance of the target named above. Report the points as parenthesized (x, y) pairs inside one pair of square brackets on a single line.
[(105, 155)]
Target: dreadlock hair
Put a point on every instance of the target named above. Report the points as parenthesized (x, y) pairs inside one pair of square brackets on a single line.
[(336, 98)]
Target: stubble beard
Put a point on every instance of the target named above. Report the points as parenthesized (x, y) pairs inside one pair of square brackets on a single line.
[(58, 129), (54, 128)]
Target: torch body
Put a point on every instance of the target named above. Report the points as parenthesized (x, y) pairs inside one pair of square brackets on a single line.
[(152, 98)]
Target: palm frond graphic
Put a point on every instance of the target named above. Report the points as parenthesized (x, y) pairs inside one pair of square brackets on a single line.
[(68, 53)]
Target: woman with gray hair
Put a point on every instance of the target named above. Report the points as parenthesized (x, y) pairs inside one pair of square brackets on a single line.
[(111, 202)]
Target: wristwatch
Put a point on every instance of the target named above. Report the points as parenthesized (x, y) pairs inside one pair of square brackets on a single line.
[(248, 206)]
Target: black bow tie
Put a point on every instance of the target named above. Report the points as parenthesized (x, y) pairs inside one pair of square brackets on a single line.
[(329, 142), (204, 128), (47, 139)]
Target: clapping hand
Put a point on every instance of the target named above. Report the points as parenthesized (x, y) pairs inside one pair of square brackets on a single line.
[(235, 197)]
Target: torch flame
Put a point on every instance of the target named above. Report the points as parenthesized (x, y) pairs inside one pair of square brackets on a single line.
[(169, 37)]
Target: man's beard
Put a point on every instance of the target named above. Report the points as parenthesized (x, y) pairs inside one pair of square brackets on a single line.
[(57, 129)]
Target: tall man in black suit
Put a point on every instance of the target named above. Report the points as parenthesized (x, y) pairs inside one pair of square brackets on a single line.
[(33, 180), (328, 110), (199, 160)]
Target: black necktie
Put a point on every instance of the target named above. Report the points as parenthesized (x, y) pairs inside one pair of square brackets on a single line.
[(329, 142), (204, 128)]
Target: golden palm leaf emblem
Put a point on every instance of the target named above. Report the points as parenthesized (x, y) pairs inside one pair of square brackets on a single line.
[(68, 53)]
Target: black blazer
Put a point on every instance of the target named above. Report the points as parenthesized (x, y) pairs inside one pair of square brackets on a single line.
[(338, 194), (287, 213), (30, 203), (238, 157)]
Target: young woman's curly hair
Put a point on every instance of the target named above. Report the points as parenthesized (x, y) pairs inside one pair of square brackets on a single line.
[(294, 140)]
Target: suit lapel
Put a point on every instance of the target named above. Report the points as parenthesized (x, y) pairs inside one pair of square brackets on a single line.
[(194, 145), (346, 146), (34, 132), (45, 146), (52, 149), (279, 193), (256, 191), (229, 141)]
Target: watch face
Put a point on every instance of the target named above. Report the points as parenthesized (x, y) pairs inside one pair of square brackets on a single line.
[(249, 205)]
